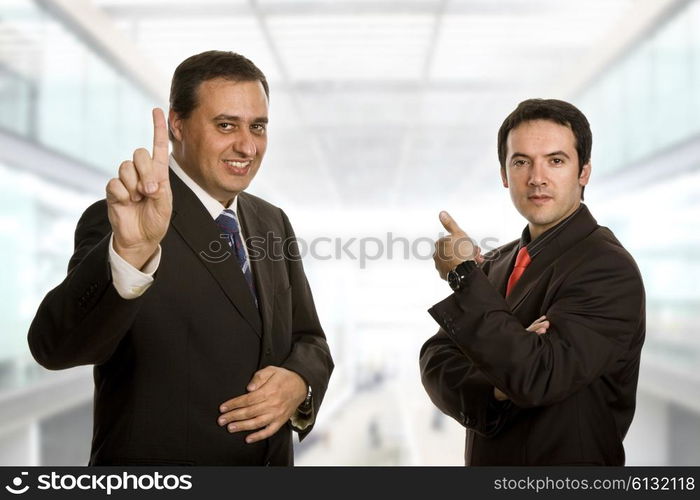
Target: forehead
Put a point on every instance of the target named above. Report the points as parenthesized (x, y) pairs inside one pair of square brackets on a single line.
[(221, 95), (541, 137)]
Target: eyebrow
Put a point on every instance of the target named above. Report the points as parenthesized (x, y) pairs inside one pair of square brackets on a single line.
[(548, 155), (519, 154), (558, 153), (234, 118)]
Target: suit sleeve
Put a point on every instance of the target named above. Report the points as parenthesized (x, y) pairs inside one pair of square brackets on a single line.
[(456, 386), (83, 319), (310, 355), (595, 323)]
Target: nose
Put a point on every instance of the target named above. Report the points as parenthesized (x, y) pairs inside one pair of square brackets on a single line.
[(538, 173), (244, 144)]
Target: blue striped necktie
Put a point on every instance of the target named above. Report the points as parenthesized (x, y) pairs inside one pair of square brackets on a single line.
[(228, 222)]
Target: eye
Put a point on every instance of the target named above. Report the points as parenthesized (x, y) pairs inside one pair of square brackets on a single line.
[(519, 163), (557, 161), (258, 128), (226, 126)]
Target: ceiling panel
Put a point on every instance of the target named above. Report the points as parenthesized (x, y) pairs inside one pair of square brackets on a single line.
[(353, 47), (167, 42)]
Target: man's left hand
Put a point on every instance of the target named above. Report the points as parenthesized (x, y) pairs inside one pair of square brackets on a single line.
[(275, 394), (539, 326)]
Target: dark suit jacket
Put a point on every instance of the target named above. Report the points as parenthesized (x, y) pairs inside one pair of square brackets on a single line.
[(572, 390), (165, 361)]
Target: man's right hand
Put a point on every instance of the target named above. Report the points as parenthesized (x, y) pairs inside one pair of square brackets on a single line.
[(539, 326), (139, 201), (455, 248)]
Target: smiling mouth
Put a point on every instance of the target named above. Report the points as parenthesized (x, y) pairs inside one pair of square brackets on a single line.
[(237, 167), (237, 164)]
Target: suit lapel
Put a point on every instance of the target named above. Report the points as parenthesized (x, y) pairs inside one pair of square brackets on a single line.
[(501, 268), (256, 233), (579, 227), (198, 230)]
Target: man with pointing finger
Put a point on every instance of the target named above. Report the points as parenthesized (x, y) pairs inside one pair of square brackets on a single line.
[(538, 350), (207, 349)]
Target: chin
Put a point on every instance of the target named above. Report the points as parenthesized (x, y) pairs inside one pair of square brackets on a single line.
[(539, 218), (238, 187)]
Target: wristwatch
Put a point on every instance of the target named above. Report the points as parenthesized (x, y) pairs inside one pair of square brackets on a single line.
[(458, 276), (305, 406)]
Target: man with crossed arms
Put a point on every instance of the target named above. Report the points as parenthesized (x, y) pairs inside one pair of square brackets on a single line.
[(539, 346), (203, 354)]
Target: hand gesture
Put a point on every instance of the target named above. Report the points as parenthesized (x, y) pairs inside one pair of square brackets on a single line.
[(139, 201), (455, 248)]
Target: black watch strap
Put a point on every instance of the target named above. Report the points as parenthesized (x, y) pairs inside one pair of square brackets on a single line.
[(305, 406), (458, 276)]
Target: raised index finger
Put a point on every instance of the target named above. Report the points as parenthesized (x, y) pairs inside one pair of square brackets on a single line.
[(160, 140)]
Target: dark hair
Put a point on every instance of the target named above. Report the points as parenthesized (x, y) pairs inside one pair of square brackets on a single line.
[(206, 66), (554, 110)]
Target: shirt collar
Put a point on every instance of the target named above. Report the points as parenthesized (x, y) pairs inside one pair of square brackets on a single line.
[(210, 203), (538, 244)]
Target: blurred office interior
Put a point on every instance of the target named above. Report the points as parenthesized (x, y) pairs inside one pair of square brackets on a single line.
[(382, 114)]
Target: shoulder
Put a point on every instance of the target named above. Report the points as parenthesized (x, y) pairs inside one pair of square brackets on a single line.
[(262, 207), (271, 215), (96, 210), (94, 218), (604, 247), (601, 259)]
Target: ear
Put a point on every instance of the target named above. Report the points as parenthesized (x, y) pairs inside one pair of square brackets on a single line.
[(175, 125), (504, 177), (585, 174)]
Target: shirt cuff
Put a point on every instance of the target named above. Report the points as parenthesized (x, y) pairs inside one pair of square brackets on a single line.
[(301, 421), (129, 282)]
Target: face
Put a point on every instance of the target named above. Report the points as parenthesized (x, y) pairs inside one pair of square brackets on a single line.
[(223, 141), (542, 173)]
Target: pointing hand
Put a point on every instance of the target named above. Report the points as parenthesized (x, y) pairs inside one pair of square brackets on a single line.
[(139, 201)]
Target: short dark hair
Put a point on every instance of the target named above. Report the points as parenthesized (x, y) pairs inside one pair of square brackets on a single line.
[(206, 66), (554, 110)]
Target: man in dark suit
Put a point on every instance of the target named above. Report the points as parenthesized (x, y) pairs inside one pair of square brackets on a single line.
[(539, 346), (207, 351)]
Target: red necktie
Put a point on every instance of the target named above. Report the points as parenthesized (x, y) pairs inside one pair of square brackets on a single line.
[(521, 262)]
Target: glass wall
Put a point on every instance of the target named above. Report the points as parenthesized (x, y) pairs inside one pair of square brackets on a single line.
[(59, 97), (648, 100), (57, 91), (37, 221)]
